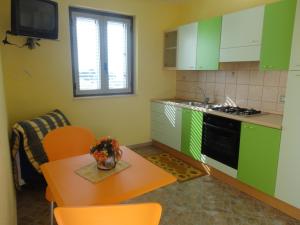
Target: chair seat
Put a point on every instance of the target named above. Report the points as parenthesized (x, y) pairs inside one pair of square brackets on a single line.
[(136, 214)]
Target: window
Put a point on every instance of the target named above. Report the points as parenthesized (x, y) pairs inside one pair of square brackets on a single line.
[(102, 53)]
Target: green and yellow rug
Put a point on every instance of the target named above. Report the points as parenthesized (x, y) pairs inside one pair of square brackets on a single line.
[(176, 167)]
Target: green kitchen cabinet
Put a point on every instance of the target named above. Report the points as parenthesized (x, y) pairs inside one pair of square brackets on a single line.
[(258, 157), (208, 44), (191, 133), (277, 35)]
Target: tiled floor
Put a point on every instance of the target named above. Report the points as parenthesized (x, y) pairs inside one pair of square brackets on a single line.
[(202, 201)]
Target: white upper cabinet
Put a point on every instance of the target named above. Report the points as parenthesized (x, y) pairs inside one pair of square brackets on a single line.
[(241, 35), (295, 57), (187, 46)]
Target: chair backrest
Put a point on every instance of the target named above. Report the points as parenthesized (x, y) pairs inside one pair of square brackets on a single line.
[(68, 141), (136, 214)]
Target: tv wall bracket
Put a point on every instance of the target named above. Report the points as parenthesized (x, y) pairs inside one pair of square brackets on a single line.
[(31, 42)]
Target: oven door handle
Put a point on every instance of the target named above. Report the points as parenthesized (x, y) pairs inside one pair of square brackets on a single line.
[(221, 128)]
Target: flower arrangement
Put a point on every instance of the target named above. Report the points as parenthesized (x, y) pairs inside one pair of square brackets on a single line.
[(107, 153)]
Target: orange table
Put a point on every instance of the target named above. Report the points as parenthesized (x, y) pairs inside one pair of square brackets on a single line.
[(69, 189)]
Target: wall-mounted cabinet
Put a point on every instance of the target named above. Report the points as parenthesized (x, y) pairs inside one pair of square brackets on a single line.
[(262, 33), (241, 35), (187, 46), (295, 57), (277, 35), (258, 158), (170, 49), (208, 44)]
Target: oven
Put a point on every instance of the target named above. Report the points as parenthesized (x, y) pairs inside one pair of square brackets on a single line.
[(221, 139)]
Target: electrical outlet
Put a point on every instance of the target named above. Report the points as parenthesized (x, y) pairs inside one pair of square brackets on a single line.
[(282, 98)]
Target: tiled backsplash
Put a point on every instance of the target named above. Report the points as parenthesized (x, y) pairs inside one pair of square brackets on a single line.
[(240, 84)]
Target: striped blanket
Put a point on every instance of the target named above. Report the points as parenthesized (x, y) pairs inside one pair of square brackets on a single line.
[(28, 135)]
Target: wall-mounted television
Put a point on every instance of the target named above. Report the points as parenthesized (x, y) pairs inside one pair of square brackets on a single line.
[(34, 18)]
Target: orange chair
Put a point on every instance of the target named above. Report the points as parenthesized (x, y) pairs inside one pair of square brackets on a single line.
[(66, 142), (136, 214)]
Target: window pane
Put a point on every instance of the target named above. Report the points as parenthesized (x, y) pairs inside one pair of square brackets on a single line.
[(117, 55), (88, 46)]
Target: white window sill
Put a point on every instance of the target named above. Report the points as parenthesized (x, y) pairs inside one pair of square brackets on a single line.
[(104, 96)]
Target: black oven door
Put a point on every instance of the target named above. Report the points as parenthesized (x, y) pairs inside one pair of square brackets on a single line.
[(221, 144)]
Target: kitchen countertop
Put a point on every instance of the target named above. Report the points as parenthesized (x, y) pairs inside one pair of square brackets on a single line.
[(265, 119)]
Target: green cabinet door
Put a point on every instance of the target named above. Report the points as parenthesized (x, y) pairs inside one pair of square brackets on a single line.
[(258, 158), (208, 44), (277, 35), (191, 134)]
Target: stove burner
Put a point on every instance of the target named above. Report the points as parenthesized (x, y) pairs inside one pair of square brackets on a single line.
[(236, 110)]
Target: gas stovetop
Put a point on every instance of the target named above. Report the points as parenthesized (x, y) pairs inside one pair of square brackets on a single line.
[(236, 110)]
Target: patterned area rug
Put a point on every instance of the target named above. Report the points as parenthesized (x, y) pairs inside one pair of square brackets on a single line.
[(177, 167)]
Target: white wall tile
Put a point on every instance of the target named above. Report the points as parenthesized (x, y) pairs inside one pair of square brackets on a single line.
[(211, 77), (255, 93), (242, 91), (191, 76), (220, 99), (254, 104), (243, 77), (279, 107), (230, 91), (283, 79), (238, 84), (270, 94), (268, 106), (272, 78), (220, 77), (220, 89), (230, 101), (210, 89), (187, 86), (202, 76), (231, 77), (242, 102), (281, 92), (256, 77)]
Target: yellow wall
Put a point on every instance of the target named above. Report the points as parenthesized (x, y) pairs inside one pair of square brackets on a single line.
[(200, 9), (40, 80), (7, 195)]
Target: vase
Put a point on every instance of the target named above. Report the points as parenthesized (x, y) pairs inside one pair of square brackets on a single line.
[(108, 164)]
